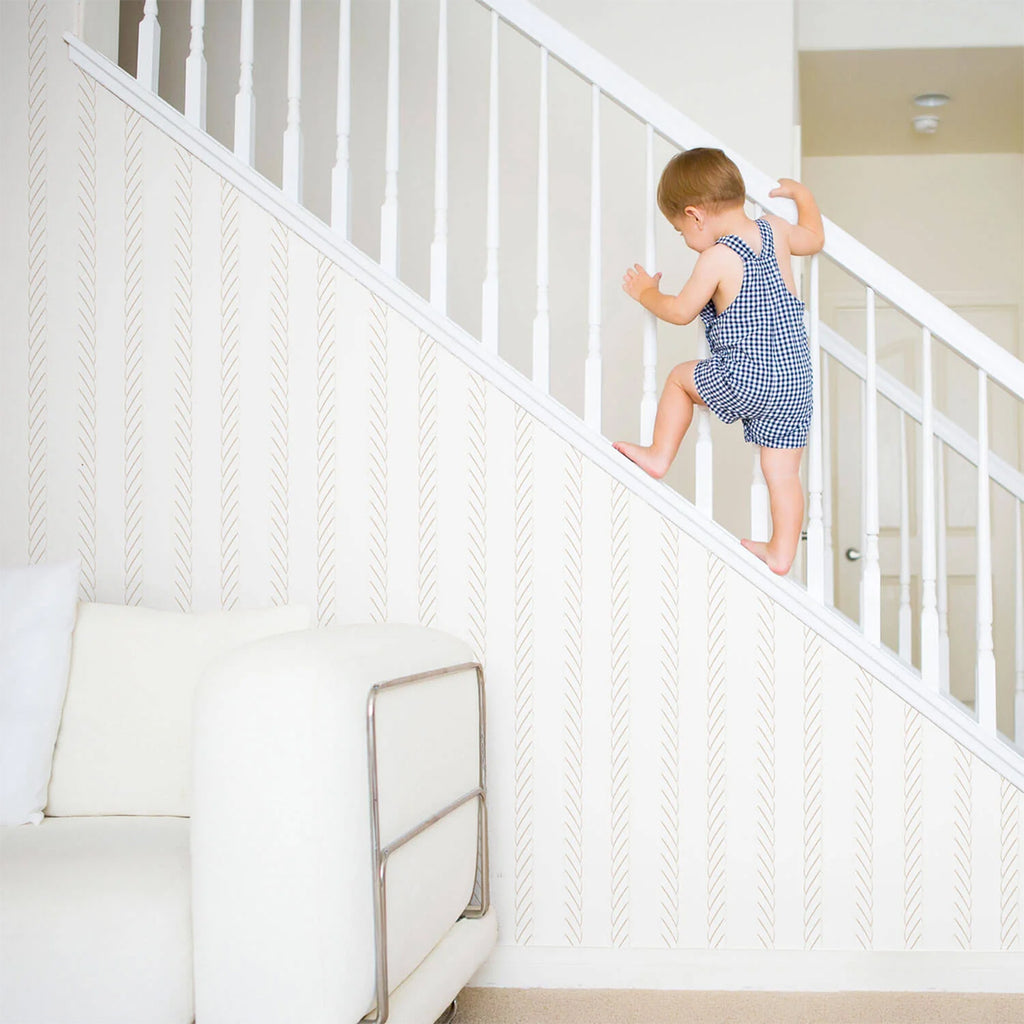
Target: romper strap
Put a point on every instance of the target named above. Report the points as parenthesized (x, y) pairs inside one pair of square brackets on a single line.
[(738, 246), (767, 239), (743, 250)]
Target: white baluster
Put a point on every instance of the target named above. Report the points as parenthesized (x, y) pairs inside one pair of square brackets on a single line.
[(291, 169), (905, 619), (704, 461), (930, 674), (592, 378), (760, 504), (245, 102), (872, 577), (649, 396), (815, 524), (148, 69), (341, 187), (1018, 631), (389, 208), (195, 67), (863, 542), (541, 322), (489, 328), (985, 673), (942, 581), (826, 481), (439, 246)]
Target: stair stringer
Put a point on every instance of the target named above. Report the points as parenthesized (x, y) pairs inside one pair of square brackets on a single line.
[(685, 753)]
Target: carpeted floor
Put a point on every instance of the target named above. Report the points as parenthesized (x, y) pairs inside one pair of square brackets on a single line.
[(630, 1006)]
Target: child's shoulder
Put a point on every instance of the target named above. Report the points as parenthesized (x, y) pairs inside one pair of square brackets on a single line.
[(780, 226)]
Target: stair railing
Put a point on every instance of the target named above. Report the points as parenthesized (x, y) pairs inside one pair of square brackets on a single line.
[(936, 322)]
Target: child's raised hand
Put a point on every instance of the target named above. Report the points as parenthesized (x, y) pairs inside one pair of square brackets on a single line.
[(788, 188), (637, 280)]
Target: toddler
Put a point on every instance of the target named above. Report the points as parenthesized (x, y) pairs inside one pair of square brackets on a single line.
[(759, 367)]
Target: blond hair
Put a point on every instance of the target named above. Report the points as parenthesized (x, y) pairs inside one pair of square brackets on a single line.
[(700, 177)]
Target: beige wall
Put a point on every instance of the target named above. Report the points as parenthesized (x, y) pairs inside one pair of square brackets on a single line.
[(953, 223)]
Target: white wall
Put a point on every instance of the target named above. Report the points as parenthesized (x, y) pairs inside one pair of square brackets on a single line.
[(907, 24), (672, 47), (687, 787), (954, 223)]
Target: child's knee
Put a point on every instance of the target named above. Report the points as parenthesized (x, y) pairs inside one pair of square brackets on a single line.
[(679, 374)]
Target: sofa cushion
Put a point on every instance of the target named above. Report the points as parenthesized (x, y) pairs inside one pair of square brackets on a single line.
[(37, 615), (95, 922), (125, 739)]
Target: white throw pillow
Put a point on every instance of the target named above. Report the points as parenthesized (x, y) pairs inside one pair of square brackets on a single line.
[(37, 617), (125, 739)]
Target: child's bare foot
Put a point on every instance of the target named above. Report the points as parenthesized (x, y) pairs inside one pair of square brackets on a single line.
[(645, 457), (760, 548)]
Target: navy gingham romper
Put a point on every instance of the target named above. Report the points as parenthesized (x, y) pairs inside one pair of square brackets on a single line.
[(759, 369)]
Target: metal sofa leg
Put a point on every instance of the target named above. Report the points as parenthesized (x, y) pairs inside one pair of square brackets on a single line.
[(449, 1014)]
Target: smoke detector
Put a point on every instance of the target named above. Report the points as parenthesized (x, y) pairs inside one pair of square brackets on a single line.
[(931, 99), (926, 124)]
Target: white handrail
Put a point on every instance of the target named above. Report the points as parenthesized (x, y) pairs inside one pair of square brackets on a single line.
[(676, 128)]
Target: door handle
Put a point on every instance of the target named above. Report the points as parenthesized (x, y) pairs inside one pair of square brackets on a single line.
[(852, 554)]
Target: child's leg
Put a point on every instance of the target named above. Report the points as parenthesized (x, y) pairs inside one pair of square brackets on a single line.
[(781, 468), (675, 411)]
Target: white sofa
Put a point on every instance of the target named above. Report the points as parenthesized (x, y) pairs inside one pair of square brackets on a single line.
[(208, 851)]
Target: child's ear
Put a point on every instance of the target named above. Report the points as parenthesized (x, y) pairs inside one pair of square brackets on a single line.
[(696, 214)]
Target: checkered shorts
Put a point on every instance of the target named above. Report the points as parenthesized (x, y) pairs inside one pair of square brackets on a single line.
[(759, 369)]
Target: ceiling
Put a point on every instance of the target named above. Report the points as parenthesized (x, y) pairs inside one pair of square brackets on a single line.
[(860, 102)]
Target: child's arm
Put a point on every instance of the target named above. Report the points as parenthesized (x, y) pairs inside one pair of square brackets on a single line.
[(807, 236), (681, 308)]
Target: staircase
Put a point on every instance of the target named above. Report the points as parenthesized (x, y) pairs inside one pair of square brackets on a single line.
[(938, 325), (658, 613)]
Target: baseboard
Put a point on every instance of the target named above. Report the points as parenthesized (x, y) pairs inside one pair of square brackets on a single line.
[(774, 970), (625, 1006)]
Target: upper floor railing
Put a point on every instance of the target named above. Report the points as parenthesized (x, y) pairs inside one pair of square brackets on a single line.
[(938, 328)]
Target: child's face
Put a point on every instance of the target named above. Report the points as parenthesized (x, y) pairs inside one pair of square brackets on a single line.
[(692, 224)]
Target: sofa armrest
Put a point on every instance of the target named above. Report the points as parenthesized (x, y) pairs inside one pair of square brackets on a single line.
[(282, 859)]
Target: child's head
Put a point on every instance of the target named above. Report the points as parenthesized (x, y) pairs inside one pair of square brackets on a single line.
[(704, 181)]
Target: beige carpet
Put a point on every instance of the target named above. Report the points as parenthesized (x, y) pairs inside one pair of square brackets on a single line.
[(631, 1006)]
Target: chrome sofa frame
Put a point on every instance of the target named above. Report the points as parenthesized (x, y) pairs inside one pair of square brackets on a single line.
[(380, 855)]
